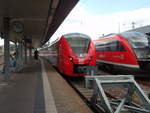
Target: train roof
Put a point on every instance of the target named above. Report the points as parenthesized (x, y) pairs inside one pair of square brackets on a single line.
[(133, 33), (111, 34), (55, 41), (76, 35), (126, 33)]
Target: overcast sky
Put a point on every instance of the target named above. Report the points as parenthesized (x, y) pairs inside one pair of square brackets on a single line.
[(97, 17)]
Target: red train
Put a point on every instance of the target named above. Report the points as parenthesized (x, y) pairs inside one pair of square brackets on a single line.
[(73, 54), (127, 49)]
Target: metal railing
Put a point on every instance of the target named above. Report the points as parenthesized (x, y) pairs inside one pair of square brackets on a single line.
[(134, 100)]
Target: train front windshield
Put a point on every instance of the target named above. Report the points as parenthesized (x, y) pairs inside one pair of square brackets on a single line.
[(79, 44), (140, 44)]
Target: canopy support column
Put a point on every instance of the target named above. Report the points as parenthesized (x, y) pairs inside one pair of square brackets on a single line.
[(30, 50), (6, 21), (25, 51)]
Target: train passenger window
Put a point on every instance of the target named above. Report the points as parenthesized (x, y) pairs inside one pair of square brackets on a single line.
[(112, 46), (100, 47), (49, 48), (116, 46), (108, 47)]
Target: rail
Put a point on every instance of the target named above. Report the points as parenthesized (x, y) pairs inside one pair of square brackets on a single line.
[(134, 100)]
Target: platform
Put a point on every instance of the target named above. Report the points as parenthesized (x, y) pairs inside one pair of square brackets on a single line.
[(39, 89)]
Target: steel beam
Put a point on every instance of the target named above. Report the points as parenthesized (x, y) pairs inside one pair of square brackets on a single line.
[(126, 103)]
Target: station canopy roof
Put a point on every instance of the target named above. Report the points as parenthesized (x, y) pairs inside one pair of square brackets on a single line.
[(143, 29), (34, 20)]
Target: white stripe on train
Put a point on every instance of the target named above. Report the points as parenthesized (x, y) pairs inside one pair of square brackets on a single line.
[(119, 64)]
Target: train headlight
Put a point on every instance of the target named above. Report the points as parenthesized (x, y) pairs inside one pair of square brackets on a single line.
[(138, 56), (90, 58), (70, 58)]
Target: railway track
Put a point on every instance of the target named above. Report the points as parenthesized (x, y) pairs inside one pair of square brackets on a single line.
[(78, 85), (86, 94), (141, 77)]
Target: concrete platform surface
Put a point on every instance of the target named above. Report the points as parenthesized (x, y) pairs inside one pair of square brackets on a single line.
[(39, 89)]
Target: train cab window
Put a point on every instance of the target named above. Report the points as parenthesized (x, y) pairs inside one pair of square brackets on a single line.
[(139, 43), (120, 47), (136, 39), (79, 44)]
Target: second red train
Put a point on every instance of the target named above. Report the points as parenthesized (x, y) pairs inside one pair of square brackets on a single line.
[(127, 49)]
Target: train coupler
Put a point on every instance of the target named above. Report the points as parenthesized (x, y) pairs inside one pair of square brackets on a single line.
[(91, 70)]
